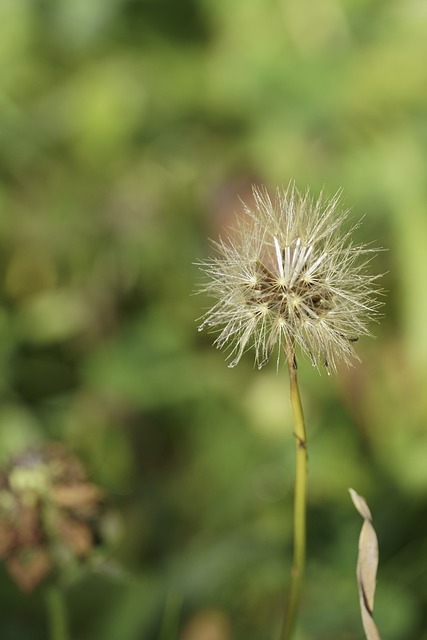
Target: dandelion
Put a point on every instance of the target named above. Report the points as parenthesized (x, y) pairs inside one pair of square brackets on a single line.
[(291, 276)]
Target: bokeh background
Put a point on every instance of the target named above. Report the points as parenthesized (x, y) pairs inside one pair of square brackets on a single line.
[(128, 131)]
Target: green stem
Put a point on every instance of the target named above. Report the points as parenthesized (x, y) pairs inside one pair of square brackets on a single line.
[(170, 622), (57, 614), (300, 504)]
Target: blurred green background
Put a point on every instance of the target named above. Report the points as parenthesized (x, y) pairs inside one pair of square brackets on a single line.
[(128, 130)]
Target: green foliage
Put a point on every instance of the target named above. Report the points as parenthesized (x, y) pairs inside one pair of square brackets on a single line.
[(127, 131)]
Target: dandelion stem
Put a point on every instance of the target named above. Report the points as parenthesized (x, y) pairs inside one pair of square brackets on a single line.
[(57, 614), (300, 503)]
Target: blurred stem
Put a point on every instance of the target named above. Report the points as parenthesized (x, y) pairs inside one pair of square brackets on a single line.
[(57, 613), (170, 622), (300, 502)]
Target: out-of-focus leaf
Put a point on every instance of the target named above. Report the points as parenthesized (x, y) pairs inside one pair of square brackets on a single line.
[(367, 564), (52, 316)]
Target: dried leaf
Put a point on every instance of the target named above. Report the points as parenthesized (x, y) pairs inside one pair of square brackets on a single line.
[(77, 535), (82, 496), (7, 538), (367, 564), (29, 567), (208, 624)]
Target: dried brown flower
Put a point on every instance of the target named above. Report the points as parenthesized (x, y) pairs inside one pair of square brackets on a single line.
[(48, 511)]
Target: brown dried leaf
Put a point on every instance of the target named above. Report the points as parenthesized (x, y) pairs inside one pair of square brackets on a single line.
[(29, 567), (367, 564), (83, 496), (208, 624), (28, 526), (76, 535), (7, 538)]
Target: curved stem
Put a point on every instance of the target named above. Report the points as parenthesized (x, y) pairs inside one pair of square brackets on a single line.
[(57, 614), (300, 503)]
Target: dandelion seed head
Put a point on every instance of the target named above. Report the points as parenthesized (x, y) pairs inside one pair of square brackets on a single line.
[(290, 275)]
